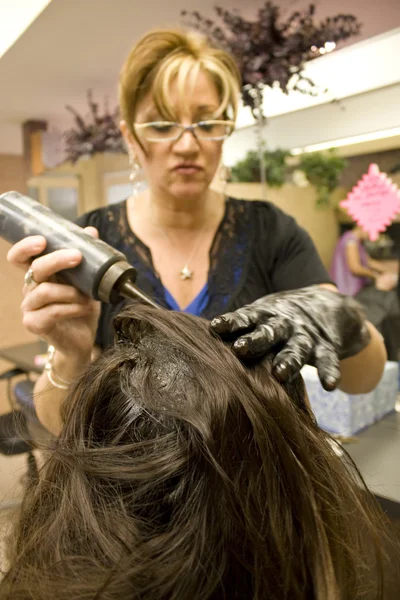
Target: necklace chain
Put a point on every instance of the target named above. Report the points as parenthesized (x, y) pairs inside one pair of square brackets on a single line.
[(186, 272)]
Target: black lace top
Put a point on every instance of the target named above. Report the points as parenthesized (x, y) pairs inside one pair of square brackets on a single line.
[(257, 250)]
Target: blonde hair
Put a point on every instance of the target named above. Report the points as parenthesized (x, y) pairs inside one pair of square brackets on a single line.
[(166, 55)]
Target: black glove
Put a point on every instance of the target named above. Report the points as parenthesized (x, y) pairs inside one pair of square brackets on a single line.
[(312, 325)]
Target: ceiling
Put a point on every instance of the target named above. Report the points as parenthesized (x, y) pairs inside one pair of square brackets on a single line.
[(15, 18), (75, 45), (351, 70)]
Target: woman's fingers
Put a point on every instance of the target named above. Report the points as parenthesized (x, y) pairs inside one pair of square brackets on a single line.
[(44, 267), (231, 322), (48, 293), (50, 309), (42, 321), (290, 360), (301, 350), (91, 231), (21, 253), (328, 365), (263, 338), (48, 265)]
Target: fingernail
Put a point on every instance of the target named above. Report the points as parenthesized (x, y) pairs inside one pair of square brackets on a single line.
[(241, 346), (74, 258), (280, 371), (218, 324), (331, 382), (73, 262)]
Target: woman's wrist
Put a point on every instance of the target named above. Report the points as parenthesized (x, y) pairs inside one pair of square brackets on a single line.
[(373, 274), (55, 379), (64, 369)]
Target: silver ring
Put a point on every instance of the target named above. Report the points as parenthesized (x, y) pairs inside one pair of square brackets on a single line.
[(29, 280)]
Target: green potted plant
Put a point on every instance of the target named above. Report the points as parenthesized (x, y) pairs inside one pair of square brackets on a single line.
[(323, 170), (248, 169)]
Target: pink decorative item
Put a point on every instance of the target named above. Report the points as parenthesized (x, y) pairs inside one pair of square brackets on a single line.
[(373, 202)]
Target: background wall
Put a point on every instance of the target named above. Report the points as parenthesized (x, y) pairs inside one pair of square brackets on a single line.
[(13, 173), (358, 165), (12, 177)]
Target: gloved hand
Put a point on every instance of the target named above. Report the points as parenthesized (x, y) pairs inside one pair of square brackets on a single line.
[(311, 325)]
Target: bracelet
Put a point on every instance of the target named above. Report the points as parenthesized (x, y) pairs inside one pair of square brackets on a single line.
[(61, 384)]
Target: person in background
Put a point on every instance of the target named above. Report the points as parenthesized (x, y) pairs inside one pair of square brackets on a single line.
[(356, 274), (247, 267), (183, 474)]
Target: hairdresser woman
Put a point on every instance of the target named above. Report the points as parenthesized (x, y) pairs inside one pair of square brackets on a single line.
[(194, 249)]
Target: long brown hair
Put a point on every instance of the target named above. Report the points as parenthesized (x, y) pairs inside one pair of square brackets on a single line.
[(182, 474)]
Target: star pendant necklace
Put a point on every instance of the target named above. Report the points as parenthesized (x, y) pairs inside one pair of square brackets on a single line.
[(186, 273)]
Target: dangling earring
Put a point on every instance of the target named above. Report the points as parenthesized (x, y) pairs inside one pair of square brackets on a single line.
[(135, 169), (224, 176)]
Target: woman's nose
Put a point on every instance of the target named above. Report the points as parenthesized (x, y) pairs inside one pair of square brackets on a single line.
[(187, 142)]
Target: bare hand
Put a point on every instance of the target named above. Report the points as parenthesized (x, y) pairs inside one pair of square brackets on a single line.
[(58, 313), (386, 282)]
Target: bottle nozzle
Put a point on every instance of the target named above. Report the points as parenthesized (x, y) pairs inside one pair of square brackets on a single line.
[(128, 290)]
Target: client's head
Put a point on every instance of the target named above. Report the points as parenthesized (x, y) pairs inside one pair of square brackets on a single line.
[(182, 474)]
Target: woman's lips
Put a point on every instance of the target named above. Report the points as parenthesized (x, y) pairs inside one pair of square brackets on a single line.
[(187, 169)]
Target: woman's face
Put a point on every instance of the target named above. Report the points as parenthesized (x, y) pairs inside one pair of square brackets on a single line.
[(186, 167)]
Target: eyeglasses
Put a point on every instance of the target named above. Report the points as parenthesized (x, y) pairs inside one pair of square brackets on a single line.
[(165, 131)]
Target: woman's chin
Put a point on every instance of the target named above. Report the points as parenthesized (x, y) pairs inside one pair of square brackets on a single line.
[(188, 189)]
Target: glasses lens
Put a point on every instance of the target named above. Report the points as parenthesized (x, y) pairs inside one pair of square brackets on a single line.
[(214, 130), (159, 131)]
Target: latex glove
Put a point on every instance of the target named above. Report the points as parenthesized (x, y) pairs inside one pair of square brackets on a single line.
[(311, 325)]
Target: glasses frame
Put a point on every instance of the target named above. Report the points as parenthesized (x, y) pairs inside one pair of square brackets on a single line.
[(183, 128)]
